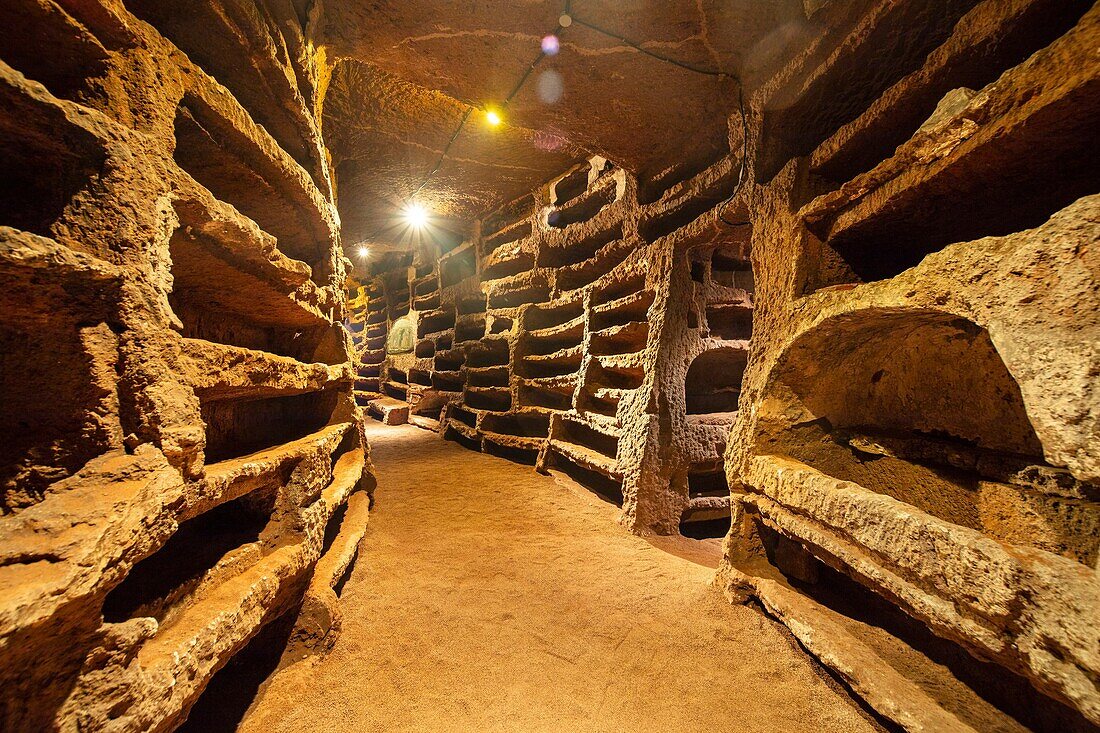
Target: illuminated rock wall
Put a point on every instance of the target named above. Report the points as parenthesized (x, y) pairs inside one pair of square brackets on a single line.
[(183, 460)]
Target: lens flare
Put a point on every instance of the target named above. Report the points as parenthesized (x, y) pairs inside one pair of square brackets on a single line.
[(550, 87), (416, 215), (364, 252)]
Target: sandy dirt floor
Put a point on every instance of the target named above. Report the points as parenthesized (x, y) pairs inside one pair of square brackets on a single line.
[(488, 597)]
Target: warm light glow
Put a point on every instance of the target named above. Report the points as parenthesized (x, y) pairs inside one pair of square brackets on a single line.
[(364, 252), (416, 215), (493, 117)]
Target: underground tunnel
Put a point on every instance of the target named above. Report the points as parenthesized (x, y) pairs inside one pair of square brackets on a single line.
[(550, 366)]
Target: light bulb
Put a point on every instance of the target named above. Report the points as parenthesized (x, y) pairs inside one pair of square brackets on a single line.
[(493, 117), (416, 215)]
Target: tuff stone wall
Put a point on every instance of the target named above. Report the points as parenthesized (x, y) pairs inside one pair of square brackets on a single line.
[(596, 326), (920, 414), (909, 447), (183, 460), (863, 338)]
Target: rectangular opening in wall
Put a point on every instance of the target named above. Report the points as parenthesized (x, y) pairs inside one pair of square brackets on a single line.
[(616, 374), (584, 435), (584, 273), (521, 262), (571, 185), (470, 329), (452, 433), (45, 161), (233, 689), (986, 42), (76, 56), (427, 287), (205, 150), (494, 399), (521, 424), (982, 695), (572, 250), (705, 525), (992, 187), (708, 482), (604, 487), (236, 428), (653, 187), (731, 270), (436, 322), (396, 390), (487, 353), (224, 537), (628, 285), (690, 206), (554, 364), (211, 38), (602, 401), (514, 233), (561, 339), (217, 302), (632, 308), (713, 382), (548, 316), (449, 361), (811, 108), (454, 268), (421, 377), (446, 381), (627, 339), (730, 322), (534, 396), (488, 377), (584, 207), (530, 291), (516, 454), (427, 302), (462, 415), (400, 307)]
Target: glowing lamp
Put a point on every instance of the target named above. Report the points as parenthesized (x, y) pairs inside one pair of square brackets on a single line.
[(416, 216)]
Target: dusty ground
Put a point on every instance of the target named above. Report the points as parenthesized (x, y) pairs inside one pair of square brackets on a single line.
[(488, 597)]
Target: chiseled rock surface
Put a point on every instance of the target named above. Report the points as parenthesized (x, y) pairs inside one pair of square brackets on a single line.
[(921, 409), (178, 422)]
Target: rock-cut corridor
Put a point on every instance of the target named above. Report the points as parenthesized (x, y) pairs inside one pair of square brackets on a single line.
[(686, 366), (492, 598)]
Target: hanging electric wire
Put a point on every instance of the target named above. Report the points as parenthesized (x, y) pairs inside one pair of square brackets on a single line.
[(565, 20)]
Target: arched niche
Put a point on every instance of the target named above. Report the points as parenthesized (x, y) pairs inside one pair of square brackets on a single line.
[(918, 405), (713, 382), (402, 336)]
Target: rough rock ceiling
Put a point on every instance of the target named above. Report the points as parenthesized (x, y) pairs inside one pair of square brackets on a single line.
[(387, 135), (429, 61)]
